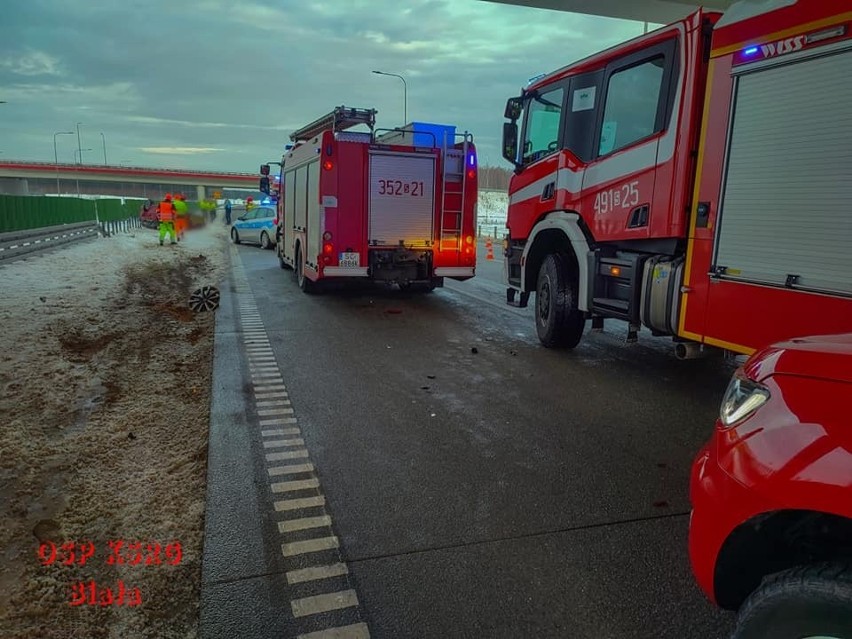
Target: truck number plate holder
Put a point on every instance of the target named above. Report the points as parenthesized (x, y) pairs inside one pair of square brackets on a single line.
[(350, 260)]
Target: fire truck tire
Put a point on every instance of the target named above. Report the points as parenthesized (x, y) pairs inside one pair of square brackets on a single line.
[(235, 237), (806, 601), (302, 280), (558, 321)]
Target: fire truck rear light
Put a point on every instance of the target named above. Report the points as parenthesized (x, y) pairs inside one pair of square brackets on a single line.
[(328, 248), (750, 51), (326, 236), (469, 239), (615, 270), (328, 165), (471, 174), (468, 250)]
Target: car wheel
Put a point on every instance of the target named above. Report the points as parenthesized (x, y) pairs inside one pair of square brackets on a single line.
[(265, 244), (302, 280), (235, 237), (558, 321), (801, 603)]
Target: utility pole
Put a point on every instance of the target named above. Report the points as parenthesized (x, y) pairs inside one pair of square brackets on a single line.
[(56, 155), (79, 146), (103, 138), (404, 94)]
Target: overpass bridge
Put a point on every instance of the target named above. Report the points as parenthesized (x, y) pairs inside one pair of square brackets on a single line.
[(18, 177)]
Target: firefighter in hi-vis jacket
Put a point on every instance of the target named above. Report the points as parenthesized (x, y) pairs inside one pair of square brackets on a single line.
[(181, 216), (166, 215)]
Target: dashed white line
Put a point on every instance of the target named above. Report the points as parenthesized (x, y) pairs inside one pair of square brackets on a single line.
[(293, 486), (298, 504), (294, 469), (278, 421), (279, 432), (309, 545), (283, 443), (290, 454), (304, 523), (269, 412), (355, 631), (324, 603), (316, 572)]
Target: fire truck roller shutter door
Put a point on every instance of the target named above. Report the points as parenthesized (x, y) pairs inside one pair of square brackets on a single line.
[(784, 212)]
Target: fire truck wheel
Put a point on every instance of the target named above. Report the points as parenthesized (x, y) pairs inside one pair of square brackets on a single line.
[(305, 284), (807, 601), (558, 321), (235, 237)]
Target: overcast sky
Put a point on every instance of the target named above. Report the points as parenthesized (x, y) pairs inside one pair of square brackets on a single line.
[(219, 84)]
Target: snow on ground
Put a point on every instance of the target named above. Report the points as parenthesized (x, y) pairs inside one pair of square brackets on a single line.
[(491, 213), (105, 379)]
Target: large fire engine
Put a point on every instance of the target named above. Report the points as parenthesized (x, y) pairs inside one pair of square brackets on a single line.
[(695, 181), (396, 208)]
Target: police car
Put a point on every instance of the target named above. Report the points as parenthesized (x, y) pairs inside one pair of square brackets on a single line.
[(256, 226)]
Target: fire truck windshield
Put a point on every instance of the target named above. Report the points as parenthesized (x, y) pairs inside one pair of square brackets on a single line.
[(541, 124)]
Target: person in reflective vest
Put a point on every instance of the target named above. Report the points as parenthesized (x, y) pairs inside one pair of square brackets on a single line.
[(166, 216), (181, 216)]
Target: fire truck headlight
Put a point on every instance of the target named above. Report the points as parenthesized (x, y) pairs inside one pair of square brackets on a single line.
[(742, 398)]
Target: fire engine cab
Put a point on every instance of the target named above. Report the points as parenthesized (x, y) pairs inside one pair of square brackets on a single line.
[(396, 208), (695, 181)]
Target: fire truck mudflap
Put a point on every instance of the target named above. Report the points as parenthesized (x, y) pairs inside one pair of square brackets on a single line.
[(401, 216)]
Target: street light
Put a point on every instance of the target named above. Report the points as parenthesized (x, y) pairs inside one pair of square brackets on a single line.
[(79, 146), (80, 151), (56, 156), (404, 93), (104, 141)]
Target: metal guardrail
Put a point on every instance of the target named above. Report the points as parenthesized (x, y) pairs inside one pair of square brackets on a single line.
[(17, 243)]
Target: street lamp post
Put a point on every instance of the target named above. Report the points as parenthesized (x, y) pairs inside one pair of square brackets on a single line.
[(79, 145), (404, 93), (56, 155), (103, 138), (78, 163)]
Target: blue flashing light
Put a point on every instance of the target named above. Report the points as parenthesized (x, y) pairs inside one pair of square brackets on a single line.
[(750, 51), (472, 159)]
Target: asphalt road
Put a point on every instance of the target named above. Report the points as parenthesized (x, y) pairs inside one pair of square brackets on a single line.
[(479, 484)]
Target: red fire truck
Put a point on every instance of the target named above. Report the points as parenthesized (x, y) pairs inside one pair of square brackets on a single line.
[(396, 208), (695, 181)]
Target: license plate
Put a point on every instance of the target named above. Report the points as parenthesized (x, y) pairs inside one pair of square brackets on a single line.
[(350, 260)]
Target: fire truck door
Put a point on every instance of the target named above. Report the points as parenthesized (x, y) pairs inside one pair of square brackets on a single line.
[(634, 140)]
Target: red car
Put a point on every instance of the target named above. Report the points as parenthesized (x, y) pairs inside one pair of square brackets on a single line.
[(771, 528)]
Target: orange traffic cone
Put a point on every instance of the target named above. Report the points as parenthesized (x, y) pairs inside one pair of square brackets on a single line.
[(489, 248)]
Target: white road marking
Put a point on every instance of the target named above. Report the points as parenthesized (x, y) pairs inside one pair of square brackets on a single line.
[(355, 631), (316, 572), (264, 396), (290, 470), (304, 523), (292, 486), (298, 504), (324, 603), (276, 390), (309, 545), (290, 454), (281, 443), (278, 432), (271, 403), (278, 421), (267, 378), (264, 367), (269, 412)]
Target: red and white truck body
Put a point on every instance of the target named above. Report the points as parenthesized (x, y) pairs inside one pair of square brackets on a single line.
[(397, 208), (694, 181)]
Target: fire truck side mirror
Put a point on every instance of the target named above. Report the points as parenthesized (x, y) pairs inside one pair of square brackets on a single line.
[(264, 169), (264, 185), (514, 106), (510, 142)]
